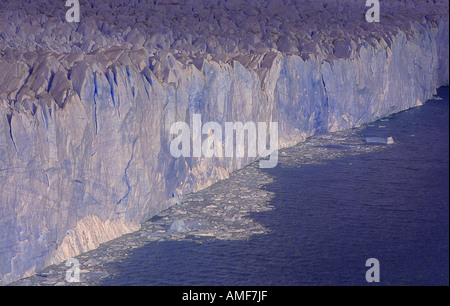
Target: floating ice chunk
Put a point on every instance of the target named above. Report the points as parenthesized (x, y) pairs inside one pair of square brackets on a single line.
[(382, 140), (195, 224), (390, 140), (178, 226), (92, 262), (436, 98)]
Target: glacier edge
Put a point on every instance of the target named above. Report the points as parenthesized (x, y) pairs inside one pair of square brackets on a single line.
[(73, 177)]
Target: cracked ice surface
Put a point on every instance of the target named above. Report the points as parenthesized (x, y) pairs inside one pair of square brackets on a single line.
[(86, 109)]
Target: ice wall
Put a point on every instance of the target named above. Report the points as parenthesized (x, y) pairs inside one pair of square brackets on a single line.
[(84, 123)]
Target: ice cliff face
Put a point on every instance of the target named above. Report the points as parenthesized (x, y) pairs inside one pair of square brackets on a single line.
[(86, 109)]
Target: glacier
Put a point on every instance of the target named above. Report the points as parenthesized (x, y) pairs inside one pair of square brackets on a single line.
[(86, 108)]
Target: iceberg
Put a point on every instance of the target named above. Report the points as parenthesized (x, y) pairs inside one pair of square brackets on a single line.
[(381, 140), (86, 107), (178, 226)]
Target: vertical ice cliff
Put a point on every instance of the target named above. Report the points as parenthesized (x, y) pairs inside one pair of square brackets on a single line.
[(86, 109)]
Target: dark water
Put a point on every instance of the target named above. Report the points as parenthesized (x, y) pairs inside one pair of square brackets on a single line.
[(328, 219)]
